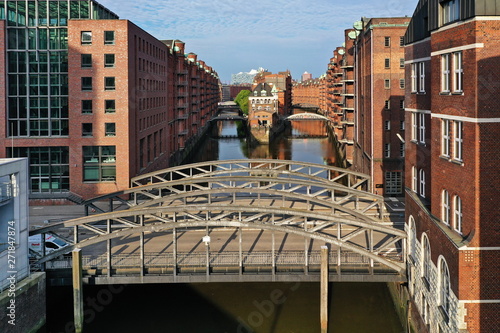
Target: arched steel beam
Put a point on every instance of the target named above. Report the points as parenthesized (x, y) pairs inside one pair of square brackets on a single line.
[(305, 115), (397, 266)]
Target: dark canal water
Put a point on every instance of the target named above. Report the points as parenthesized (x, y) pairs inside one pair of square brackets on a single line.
[(234, 307)]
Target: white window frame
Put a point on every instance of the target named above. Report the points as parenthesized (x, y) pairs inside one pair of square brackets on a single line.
[(426, 257), (458, 140), (445, 137), (387, 150), (445, 207), (414, 126), (387, 84), (445, 73), (444, 285), (402, 148), (387, 125), (414, 77), (421, 77), (414, 177), (421, 177), (457, 72), (457, 214), (421, 127)]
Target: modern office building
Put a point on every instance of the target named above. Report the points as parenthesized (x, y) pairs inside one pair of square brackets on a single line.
[(452, 181), (92, 100)]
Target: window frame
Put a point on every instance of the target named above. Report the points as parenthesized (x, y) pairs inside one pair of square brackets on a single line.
[(86, 38), (107, 63), (111, 110), (86, 60), (445, 207), (109, 41), (458, 141), (387, 41), (85, 108), (421, 176), (445, 138), (457, 214), (387, 150), (87, 130), (109, 83), (109, 129), (445, 73), (421, 127), (87, 84), (421, 77), (457, 72)]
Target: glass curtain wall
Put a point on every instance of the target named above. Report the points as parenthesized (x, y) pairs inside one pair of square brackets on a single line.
[(37, 70)]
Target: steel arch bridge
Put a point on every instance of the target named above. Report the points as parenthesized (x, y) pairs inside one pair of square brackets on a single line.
[(307, 116), (315, 202)]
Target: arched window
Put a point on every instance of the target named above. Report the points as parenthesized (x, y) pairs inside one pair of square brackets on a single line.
[(457, 205), (445, 207), (422, 183), (444, 285), (412, 237), (426, 257)]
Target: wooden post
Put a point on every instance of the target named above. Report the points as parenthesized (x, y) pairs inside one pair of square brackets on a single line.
[(324, 289), (77, 290)]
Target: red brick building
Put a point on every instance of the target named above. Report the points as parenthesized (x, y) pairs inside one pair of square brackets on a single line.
[(283, 82), (379, 96), (107, 102), (452, 175)]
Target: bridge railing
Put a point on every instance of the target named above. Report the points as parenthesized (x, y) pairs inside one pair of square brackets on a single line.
[(262, 259)]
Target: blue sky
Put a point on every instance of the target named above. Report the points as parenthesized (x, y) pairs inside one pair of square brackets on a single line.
[(236, 36)]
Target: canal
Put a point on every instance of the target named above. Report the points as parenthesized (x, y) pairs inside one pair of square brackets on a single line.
[(234, 307)]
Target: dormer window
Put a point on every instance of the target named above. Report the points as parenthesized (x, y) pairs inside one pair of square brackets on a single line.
[(263, 93), (450, 11), (256, 93)]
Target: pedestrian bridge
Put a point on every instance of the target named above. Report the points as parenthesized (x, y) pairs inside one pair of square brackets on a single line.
[(307, 116), (272, 217)]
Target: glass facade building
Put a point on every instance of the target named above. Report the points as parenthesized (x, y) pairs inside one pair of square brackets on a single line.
[(37, 82)]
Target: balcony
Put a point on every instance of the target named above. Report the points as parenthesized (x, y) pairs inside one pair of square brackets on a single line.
[(347, 67)]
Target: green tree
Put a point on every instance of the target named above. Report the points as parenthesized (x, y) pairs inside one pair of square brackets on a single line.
[(242, 100)]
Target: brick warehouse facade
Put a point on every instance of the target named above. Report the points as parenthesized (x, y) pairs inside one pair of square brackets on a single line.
[(452, 176), (379, 93), (94, 93)]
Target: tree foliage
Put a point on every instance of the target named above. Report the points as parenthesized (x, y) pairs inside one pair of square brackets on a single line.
[(242, 100)]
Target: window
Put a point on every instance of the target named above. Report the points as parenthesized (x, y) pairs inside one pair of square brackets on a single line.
[(414, 75), (109, 83), (387, 41), (444, 286), (422, 182), (412, 238), (393, 182), (414, 124), (402, 104), (387, 63), (457, 72), (445, 207), (387, 84), (387, 150), (86, 37), (86, 83), (458, 139), (402, 125), (445, 139), (457, 205), (402, 41), (109, 37), (99, 163), (110, 129), (86, 60), (387, 104), (109, 106), (414, 179), (421, 127), (87, 129), (87, 106), (387, 125), (402, 63), (426, 257), (109, 60), (450, 11), (421, 77), (401, 149), (402, 83), (445, 73)]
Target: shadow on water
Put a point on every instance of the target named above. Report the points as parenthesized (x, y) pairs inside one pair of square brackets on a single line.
[(225, 307)]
